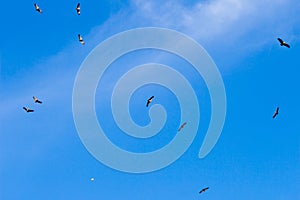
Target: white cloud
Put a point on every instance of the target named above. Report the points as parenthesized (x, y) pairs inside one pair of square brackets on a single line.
[(226, 28), (220, 20)]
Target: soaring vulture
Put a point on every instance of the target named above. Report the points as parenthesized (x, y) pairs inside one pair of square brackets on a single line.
[(182, 126), (276, 112), (28, 110), (80, 39), (37, 8), (78, 9), (283, 43), (149, 101), (36, 100), (203, 190)]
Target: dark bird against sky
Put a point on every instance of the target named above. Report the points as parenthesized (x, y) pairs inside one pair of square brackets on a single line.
[(28, 109), (276, 112), (283, 43), (80, 39), (78, 9), (37, 8), (182, 126), (36, 100), (149, 101), (203, 190)]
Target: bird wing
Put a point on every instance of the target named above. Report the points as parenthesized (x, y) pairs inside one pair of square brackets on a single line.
[(151, 98), (276, 112), (182, 126), (287, 45), (78, 6), (280, 40)]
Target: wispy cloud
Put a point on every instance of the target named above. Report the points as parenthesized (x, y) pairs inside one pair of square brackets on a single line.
[(229, 22)]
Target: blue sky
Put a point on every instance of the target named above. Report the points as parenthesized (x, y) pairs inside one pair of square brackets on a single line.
[(256, 157)]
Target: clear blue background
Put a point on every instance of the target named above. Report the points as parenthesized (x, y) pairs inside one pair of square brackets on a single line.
[(256, 157)]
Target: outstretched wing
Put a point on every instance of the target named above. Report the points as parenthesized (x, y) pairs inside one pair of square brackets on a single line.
[(276, 112), (286, 44), (280, 40)]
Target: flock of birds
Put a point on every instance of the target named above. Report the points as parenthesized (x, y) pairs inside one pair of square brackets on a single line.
[(36, 100), (39, 10)]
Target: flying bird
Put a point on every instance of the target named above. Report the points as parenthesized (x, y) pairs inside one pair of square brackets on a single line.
[(92, 179), (78, 9), (28, 110), (203, 190), (283, 43), (182, 126), (276, 112), (37, 8), (80, 39), (149, 101), (36, 100)]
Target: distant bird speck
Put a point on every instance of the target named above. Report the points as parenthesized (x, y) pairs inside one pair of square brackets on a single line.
[(28, 109), (80, 39), (182, 126), (92, 179), (78, 9), (283, 43), (276, 112), (203, 190), (37, 8), (36, 100), (149, 100)]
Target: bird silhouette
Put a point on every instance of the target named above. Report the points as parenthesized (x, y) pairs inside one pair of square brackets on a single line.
[(149, 100), (182, 126), (203, 190), (276, 112), (78, 9), (36, 100), (283, 43), (28, 109), (37, 8), (81, 39)]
